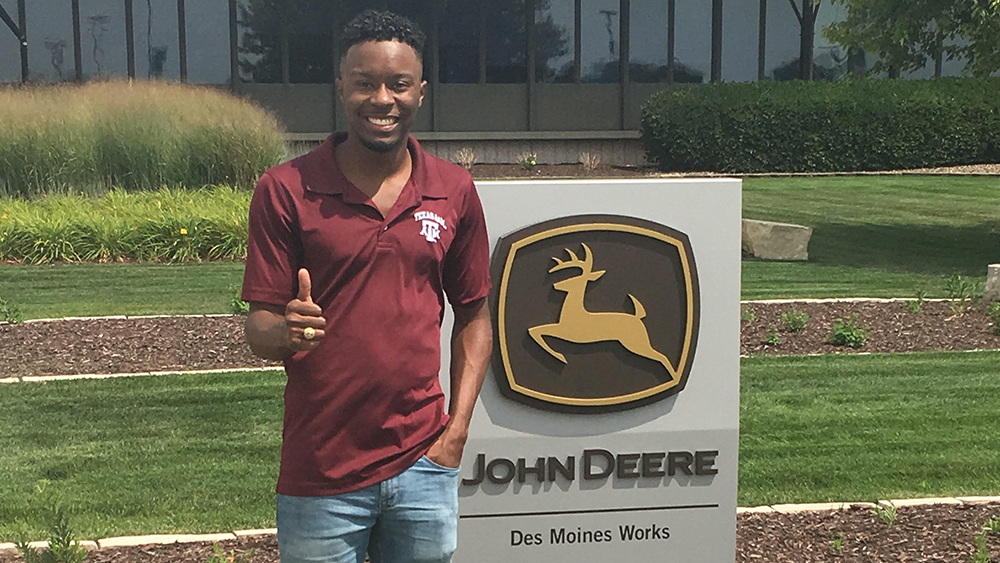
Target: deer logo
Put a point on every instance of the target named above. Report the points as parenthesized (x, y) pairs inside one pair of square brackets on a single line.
[(578, 325)]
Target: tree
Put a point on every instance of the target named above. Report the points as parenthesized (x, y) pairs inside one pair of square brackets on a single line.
[(807, 35), (906, 33)]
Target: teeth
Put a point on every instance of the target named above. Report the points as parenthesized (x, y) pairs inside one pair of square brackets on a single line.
[(382, 120)]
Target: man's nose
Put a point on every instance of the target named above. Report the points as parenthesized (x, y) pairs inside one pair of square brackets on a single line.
[(382, 96)]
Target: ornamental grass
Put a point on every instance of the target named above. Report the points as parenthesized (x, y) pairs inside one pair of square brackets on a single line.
[(137, 136), (167, 225)]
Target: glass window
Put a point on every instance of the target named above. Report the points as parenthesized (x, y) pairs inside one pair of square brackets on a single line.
[(259, 40), (554, 40), (781, 59), (600, 45), (458, 36), (102, 33), (648, 41), (310, 42), (207, 26), (10, 65), (693, 41), (156, 47), (50, 42), (506, 42)]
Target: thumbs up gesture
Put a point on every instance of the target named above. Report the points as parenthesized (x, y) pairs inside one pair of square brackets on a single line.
[(304, 318)]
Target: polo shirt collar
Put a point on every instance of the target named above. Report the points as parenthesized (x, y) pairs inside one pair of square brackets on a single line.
[(425, 182)]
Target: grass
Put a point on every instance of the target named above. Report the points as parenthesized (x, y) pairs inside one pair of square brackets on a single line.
[(883, 232), (71, 290), (842, 428), (142, 135), (187, 453), (140, 455)]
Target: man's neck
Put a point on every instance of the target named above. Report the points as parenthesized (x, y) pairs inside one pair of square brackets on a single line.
[(355, 160)]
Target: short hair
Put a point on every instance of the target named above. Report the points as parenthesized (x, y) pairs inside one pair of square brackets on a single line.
[(375, 25)]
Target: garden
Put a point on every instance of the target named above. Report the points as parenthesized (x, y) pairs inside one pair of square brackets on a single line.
[(124, 256)]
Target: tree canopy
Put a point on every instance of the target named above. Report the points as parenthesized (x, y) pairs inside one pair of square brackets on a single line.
[(906, 33)]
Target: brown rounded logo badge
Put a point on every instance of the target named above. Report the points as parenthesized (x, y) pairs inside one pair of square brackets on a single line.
[(594, 313)]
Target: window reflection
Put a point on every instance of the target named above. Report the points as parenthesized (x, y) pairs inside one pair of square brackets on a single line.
[(554, 40), (648, 45), (303, 26), (506, 42), (459, 35), (600, 42), (693, 40)]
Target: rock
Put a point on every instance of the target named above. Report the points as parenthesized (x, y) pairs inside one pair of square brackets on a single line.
[(992, 292), (776, 241)]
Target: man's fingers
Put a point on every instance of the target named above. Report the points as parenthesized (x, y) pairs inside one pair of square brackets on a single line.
[(303, 308), (305, 286), (299, 321)]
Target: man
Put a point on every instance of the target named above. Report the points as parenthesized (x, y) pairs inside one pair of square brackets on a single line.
[(353, 249)]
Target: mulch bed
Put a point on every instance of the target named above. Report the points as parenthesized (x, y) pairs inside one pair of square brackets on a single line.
[(942, 533)]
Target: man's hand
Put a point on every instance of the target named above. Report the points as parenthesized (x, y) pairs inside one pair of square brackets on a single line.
[(275, 334), (447, 449), (303, 318)]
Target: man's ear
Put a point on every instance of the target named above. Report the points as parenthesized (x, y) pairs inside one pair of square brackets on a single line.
[(423, 92)]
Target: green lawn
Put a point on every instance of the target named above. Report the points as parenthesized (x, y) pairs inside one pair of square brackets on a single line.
[(887, 225), (199, 453), (69, 290)]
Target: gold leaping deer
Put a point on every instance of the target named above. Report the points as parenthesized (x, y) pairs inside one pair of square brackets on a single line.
[(577, 324)]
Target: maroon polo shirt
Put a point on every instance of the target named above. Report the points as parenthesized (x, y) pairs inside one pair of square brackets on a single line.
[(367, 403)]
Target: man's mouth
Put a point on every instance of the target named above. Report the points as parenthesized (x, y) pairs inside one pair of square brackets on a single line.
[(386, 121)]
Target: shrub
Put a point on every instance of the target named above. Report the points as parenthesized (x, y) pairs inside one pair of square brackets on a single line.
[(137, 136), (794, 320), (10, 312), (823, 126), (168, 225), (848, 333), (993, 311)]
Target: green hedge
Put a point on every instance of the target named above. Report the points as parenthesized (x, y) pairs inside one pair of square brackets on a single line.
[(823, 126), (168, 225), (137, 136)]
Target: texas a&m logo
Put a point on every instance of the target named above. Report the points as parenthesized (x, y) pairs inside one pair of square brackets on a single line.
[(430, 225), (594, 313)]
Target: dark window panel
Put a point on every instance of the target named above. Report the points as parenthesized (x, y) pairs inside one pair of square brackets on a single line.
[(459, 37), (554, 40), (506, 42), (601, 43), (648, 46)]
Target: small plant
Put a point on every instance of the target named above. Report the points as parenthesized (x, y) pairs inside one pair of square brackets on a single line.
[(848, 333), (590, 160), (220, 556), (886, 512), (838, 543), (62, 547), (236, 303), (747, 315), (992, 525), (794, 320), (465, 157), (961, 290), (528, 160), (772, 338), (993, 312), (9, 312), (982, 554), (916, 306)]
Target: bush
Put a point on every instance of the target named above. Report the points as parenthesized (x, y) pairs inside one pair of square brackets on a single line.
[(859, 124), (168, 225), (848, 333), (794, 320), (137, 136)]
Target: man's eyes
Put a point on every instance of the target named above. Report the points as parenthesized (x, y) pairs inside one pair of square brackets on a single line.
[(396, 87)]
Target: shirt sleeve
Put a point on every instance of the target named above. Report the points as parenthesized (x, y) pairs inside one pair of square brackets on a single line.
[(274, 246), (467, 264)]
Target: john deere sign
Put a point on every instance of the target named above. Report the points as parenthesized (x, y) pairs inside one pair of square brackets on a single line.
[(594, 313), (607, 428)]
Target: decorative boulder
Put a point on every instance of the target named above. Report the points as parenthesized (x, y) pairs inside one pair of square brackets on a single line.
[(992, 292), (776, 241)]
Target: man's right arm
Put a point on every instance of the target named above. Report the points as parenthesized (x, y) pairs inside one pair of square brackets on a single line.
[(274, 333)]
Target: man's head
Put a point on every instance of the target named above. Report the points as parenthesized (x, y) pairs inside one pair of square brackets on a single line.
[(380, 78)]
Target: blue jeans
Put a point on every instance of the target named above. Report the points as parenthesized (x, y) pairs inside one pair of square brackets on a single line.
[(412, 517)]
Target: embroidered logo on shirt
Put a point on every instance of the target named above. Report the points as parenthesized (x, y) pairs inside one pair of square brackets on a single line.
[(431, 225)]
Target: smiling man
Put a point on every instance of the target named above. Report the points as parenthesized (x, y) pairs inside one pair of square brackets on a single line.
[(354, 249)]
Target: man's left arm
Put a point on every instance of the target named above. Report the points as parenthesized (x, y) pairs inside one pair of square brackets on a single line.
[(471, 347)]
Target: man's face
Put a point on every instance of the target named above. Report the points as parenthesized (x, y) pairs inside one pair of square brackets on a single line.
[(381, 90)]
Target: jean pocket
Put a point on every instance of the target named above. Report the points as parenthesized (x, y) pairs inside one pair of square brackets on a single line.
[(438, 466)]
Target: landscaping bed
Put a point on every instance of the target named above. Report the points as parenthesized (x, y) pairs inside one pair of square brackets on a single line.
[(144, 344)]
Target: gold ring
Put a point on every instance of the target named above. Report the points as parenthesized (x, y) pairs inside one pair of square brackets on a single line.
[(309, 333)]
